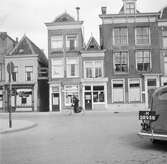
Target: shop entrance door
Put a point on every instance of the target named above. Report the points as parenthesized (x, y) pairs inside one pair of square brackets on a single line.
[(88, 101), (55, 102)]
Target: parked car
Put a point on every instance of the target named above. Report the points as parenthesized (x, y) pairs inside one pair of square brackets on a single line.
[(154, 121)]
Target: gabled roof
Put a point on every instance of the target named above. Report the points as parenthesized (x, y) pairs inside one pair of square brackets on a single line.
[(65, 17), (4, 35), (92, 44), (26, 47), (164, 13)]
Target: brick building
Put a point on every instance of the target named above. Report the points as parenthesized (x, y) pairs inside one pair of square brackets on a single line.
[(132, 44), (6, 45), (65, 40), (162, 24), (94, 82), (29, 77)]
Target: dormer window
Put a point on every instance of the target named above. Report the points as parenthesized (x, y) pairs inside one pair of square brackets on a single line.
[(129, 6)]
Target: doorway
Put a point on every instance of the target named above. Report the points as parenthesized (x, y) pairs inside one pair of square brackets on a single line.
[(55, 102), (88, 101)]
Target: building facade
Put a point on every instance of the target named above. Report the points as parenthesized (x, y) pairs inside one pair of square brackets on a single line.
[(6, 45), (94, 82), (29, 77), (65, 40), (132, 63), (162, 25)]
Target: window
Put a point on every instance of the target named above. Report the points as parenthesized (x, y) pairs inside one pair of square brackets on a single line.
[(120, 62), (23, 100), (165, 65), (14, 73), (164, 39), (72, 67), (151, 82), (57, 42), (93, 69), (142, 35), (71, 42), (130, 8), (28, 71), (57, 68), (120, 36), (98, 94), (70, 91), (0, 72), (143, 61)]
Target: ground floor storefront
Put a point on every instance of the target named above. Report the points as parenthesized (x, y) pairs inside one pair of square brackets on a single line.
[(130, 90), (92, 95), (23, 98)]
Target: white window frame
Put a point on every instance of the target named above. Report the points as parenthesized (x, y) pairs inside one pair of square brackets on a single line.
[(93, 68), (129, 82), (165, 65), (72, 91), (129, 8), (69, 62), (164, 39), (120, 36), (57, 63), (123, 82), (121, 72), (68, 41), (149, 57), (30, 70), (16, 73), (149, 35), (57, 42), (1, 71)]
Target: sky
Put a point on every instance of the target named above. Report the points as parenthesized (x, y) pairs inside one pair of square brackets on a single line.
[(28, 17)]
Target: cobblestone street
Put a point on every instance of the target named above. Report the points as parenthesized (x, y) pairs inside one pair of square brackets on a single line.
[(92, 138)]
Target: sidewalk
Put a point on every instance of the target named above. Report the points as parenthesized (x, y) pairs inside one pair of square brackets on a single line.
[(17, 125)]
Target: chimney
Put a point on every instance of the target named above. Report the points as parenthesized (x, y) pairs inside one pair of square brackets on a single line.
[(17, 40), (77, 8), (104, 10)]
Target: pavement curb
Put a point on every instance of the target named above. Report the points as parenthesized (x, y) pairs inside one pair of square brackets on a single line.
[(18, 129)]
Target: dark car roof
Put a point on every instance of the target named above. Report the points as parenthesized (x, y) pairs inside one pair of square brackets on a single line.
[(159, 90)]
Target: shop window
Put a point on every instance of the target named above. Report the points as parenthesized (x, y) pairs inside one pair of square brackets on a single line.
[(69, 92), (98, 94), (151, 82), (23, 100)]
